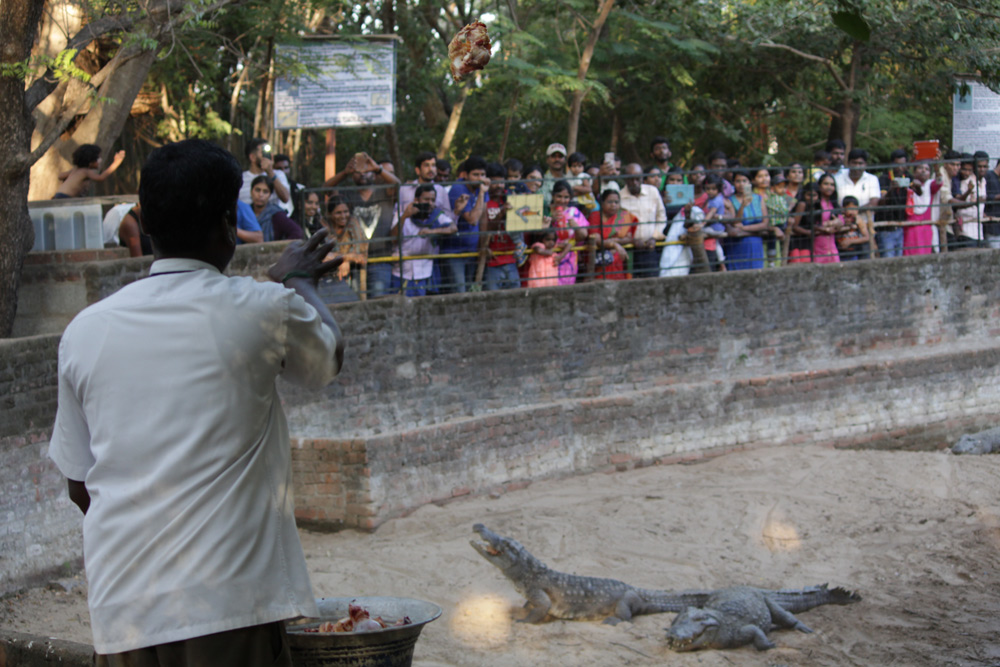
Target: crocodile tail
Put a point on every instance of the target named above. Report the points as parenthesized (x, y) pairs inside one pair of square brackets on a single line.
[(812, 596), (676, 601)]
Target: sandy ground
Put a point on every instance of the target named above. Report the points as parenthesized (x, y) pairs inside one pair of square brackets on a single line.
[(916, 534)]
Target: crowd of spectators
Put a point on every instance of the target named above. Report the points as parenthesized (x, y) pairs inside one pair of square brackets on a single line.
[(446, 230)]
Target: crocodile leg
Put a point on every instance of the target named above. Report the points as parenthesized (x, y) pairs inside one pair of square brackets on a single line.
[(628, 606), (751, 633), (537, 607), (783, 618)]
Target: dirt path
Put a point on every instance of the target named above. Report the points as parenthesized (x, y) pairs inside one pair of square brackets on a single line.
[(915, 533)]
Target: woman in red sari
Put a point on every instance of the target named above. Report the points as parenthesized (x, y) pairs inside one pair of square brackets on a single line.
[(613, 228)]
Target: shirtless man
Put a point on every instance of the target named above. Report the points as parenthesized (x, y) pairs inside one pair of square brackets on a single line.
[(86, 167)]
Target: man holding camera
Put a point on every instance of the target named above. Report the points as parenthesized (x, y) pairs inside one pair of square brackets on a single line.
[(258, 153), (423, 224)]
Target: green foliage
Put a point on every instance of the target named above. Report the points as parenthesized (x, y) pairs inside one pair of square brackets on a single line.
[(62, 65), (716, 74)]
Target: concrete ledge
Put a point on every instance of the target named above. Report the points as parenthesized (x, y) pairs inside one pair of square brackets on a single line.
[(20, 649), (915, 402)]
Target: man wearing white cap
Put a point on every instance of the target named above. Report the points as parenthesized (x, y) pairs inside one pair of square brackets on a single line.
[(555, 157)]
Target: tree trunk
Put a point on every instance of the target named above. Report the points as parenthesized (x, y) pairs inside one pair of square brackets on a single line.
[(101, 125), (18, 27), (456, 115), (845, 126), (581, 74)]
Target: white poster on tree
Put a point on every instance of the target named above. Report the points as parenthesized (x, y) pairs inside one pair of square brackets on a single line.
[(352, 83), (976, 119)]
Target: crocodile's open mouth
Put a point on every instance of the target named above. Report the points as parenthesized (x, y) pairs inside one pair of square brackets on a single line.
[(484, 547)]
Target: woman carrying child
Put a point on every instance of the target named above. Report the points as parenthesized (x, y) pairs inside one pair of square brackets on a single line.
[(612, 228)]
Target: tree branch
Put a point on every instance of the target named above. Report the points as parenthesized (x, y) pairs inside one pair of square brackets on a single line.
[(806, 100), (43, 86), (808, 56)]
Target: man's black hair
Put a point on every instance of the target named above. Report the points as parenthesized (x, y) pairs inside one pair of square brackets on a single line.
[(533, 167), (981, 155), (576, 158), (835, 143), (819, 156), (252, 146), (857, 154), (424, 157), (475, 162), (849, 201), (421, 189), (186, 189), (86, 155), (716, 155), (658, 140), (674, 170), (496, 170), (952, 154), (897, 154), (442, 165), (281, 157), (513, 164)]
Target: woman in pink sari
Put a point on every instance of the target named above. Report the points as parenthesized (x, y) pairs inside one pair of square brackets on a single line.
[(918, 239), (825, 240), (571, 226)]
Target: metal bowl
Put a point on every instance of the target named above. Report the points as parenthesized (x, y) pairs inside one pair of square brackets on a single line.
[(389, 647)]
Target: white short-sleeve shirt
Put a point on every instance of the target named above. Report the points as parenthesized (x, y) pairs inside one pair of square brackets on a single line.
[(647, 208), (168, 412)]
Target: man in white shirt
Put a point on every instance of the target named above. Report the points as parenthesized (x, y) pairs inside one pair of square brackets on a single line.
[(858, 183), (644, 202), (171, 433), (258, 153)]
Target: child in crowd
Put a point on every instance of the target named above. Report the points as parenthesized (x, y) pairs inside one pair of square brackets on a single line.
[(579, 180), (697, 233), (715, 211), (803, 219), (86, 167), (543, 266), (779, 205), (852, 236), (515, 169), (821, 160)]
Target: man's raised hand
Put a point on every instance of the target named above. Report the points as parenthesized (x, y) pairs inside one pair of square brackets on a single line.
[(305, 260)]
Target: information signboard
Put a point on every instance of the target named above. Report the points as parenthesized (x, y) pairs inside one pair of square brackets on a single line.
[(354, 85), (976, 119)]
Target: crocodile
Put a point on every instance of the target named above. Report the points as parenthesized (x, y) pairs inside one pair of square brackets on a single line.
[(739, 615), (984, 442), (557, 595)]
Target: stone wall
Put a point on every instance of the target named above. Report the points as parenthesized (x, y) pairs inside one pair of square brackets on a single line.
[(56, 285), (479, 393), (40, 528)]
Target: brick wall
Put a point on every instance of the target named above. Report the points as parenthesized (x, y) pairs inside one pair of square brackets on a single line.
[(39, 531), (56, 285), (479, 393)]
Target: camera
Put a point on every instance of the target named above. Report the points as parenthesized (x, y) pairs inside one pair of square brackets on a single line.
[(423, 213), (265, 151)]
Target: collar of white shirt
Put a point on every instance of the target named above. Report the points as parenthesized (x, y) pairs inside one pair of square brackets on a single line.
[(175, 264)]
